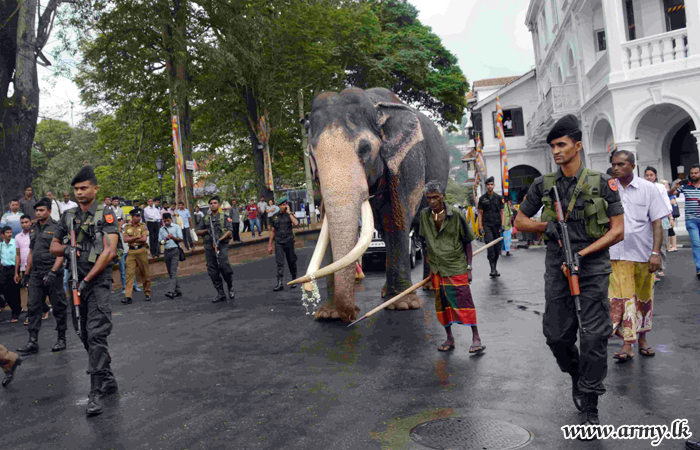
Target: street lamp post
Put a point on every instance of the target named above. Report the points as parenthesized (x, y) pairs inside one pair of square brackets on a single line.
[(159, 167)]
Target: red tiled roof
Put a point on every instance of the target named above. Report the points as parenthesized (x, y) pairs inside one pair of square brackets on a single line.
[(491, 82), (470, 95)]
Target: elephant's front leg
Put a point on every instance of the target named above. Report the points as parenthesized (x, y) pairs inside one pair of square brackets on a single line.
[(398, 270)]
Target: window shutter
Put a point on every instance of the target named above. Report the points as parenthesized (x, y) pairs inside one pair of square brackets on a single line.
[(478, 123), (518, 124), (495, 128)]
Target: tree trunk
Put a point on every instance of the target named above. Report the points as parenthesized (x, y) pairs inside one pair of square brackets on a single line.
[(257, 146), (178, 80), (20, 112)]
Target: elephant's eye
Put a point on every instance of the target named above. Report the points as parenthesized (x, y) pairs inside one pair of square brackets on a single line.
[(365, 149)]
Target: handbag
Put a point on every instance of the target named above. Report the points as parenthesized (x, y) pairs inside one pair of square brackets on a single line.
[(182, 253), (675, 211)]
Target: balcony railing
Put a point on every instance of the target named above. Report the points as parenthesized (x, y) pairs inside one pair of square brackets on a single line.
[(655, 50)]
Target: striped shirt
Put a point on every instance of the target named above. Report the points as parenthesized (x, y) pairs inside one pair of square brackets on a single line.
[(692, 201)]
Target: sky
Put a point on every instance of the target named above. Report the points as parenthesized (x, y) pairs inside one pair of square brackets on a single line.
[(489, 37)]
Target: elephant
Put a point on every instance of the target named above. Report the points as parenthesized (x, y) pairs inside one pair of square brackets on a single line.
[(371, 154)]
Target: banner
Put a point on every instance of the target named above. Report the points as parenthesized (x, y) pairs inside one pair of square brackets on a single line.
[(504, 154), (480, 164), (177, 146)]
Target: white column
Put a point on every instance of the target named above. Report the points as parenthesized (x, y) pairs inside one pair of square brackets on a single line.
[(692, 22), (630, 146), (614, 32)]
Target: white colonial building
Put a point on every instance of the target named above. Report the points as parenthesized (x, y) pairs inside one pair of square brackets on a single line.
[(628, 69)]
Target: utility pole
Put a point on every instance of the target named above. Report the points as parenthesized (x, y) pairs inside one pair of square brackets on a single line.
[(307, 166)]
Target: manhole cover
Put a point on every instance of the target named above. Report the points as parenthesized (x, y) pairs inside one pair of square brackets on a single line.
[(456, 433)]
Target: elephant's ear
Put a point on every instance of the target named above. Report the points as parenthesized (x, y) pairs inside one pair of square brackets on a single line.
[(401, 131)]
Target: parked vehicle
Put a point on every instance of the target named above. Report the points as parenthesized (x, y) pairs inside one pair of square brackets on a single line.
[(377, 248)]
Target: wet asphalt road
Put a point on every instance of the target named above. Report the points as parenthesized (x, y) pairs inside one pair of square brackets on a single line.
[(260, 374)]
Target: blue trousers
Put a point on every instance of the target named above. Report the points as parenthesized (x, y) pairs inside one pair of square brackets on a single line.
[(693, 227), (253, 224), (506, 239)]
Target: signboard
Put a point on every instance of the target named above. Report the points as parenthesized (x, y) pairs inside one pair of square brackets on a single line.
[(189, 165)]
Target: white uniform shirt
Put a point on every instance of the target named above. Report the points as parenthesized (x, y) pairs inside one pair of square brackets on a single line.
[(643, 205), (664, 196)]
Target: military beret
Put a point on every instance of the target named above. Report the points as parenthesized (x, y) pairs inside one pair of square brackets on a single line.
[(85, 174), (45, 202), (167, 216), (489, 180), (282, 200), (566, 126), (216, 197), (135, 212)]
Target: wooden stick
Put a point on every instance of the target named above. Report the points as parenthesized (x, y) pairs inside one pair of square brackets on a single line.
[(416, 286)]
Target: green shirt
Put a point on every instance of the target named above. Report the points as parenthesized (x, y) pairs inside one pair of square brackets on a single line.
[(507, 216), (446, 246)]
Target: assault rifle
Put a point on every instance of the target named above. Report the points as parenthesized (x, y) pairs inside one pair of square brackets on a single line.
[(572, 258), (73, 255), (213, 234)]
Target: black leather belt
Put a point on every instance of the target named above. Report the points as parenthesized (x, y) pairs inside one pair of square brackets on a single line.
[(137, 247)]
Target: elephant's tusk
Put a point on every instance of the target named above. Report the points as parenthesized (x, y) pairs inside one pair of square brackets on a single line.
[(361, 246), (319, 251)]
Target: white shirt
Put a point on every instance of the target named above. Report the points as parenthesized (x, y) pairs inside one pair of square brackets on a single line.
[(55, 210), (643, 205), (263, 207), (664, 195), (67, 205), (151, 214)]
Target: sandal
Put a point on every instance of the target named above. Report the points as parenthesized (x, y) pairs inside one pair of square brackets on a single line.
[(647, 351), (624, 356), (476, 349), (446, 347)]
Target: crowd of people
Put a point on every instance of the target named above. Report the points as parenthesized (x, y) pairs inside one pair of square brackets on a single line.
[(619, 230), (48, 244)]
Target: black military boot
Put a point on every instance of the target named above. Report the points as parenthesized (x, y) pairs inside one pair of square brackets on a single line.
[(231, 292), (576, 394), (109, 385), (590, 413), (494, 272), (220, 296), (94, 406), (127, 301), (10, 374), (60, 342), (32, 346), (294, 286), (279, 286)]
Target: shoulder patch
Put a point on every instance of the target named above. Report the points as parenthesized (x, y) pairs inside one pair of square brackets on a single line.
[(109, 218), (612, 184)]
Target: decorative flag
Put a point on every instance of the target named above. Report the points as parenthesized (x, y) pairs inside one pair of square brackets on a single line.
[(480, 164), (612, 146), (177, 146), (502, 140)]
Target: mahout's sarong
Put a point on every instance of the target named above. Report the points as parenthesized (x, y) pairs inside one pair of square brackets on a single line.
[(631, 295), (453, 300)]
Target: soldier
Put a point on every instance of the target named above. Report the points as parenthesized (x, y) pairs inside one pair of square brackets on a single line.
[(97, 239), (491, 220), (282, 225), (136, 236), (594, 216), (216, 248), (45, 274), (9, 361)]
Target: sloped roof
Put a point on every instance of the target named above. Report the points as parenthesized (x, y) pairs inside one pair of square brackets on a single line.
[(491, 82), (470, 95)]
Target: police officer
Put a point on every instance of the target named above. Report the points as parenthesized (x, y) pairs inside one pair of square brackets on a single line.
[(216, 248), (135, 236), (282, 225), (593, 211), (45, 273), (97, 239), (491, 225)]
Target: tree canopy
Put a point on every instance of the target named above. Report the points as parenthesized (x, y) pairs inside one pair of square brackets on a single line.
[(240, 61)]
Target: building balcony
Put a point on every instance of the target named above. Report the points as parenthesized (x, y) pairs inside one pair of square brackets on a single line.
[(559, 101), (655, 50)]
